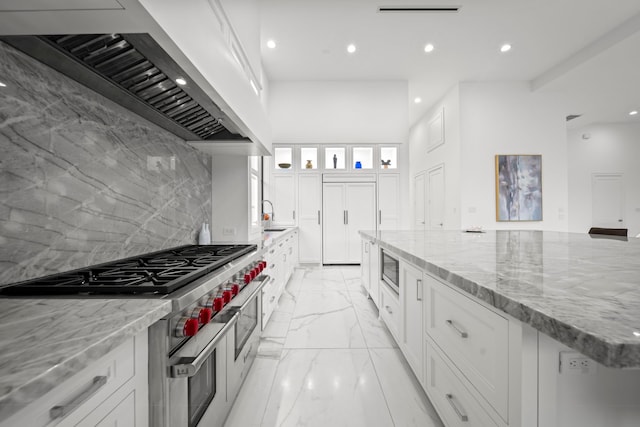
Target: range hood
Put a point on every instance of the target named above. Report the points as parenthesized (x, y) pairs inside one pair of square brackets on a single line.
[(135, 72)]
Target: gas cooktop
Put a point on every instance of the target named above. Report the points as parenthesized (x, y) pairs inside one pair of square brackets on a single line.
[(155, 273)]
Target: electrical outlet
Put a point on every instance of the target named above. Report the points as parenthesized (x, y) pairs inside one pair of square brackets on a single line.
[(576, 364), (228, 231)]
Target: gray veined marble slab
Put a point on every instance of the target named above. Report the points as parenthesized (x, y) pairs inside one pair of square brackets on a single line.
[(45, 342), (581, 291)]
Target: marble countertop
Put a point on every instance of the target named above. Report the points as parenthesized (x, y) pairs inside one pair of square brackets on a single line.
[(584, 292), (46, 341)]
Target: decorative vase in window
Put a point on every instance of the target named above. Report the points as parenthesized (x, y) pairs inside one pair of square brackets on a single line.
[(386, 164), (335, 161), (309, 165)]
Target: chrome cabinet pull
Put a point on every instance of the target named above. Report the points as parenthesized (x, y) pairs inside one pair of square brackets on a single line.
[(61, 411), (272, 298), (344, 217), (318, 217), (380, 217), (463, 417), (462, 333), (419, 289), (294, 214), (347, 217), (388, 309)]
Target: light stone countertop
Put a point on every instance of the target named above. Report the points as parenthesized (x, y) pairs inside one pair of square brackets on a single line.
[(45, 341), (581, 291)]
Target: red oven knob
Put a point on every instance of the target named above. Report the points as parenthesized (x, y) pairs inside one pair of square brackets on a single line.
[(235, 288), (227, 294), (247, 278), (218, 303), (264, 264), (203, 314), (253, 273), (187, 327)]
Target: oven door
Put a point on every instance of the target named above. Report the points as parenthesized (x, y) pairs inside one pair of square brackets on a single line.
[(197, 387), (391, 271), (243, 343)]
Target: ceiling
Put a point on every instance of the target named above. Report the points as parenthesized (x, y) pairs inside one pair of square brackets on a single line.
[(585, 50)]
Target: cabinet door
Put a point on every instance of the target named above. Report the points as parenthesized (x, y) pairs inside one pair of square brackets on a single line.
[(309, 218), (284, 197), (411, 296), (361, 215), (388, 202), (419, 190), (365, 265), (374, 273), (334, 237)]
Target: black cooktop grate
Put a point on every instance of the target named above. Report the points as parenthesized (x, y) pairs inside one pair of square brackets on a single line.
[(156, 273)]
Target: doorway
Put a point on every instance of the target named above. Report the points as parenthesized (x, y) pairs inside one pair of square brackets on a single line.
[(607, 192)]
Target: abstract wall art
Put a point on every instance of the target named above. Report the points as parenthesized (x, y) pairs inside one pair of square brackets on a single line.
[(518, 187)]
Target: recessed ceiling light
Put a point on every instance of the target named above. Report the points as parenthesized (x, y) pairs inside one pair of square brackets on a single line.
[(181, 81), (636, 333), (271, 44), (351, 48), (429, 48), (417, 100), (633, 113), (2, 84), (505, 48)]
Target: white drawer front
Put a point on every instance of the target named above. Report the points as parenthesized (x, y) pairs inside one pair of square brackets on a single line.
[(474, 338), (455, 404), (82, 393), (390, 310)]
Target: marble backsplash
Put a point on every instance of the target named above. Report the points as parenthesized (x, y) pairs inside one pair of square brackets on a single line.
[(83, 180)]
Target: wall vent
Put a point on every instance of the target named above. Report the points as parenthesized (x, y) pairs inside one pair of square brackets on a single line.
[(418, 9)]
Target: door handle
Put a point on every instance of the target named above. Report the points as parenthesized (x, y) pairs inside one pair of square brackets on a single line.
[(64, 410), (419, 289), (344, 217), (294, 214), (463, 417), (347, 217), (380, 216), (318, 217)]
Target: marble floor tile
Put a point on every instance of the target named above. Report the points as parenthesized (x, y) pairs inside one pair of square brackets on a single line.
[(407, 402), (249, 407), (319, 388), (326, 359)]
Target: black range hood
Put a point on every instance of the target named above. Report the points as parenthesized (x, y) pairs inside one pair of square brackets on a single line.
[(135, 72)]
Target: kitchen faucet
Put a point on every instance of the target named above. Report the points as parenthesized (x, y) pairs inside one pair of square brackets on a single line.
[(272, 212)]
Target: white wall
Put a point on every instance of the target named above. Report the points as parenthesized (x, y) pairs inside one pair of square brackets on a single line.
[(610, 148), (447, 154), (507, 118), (322, 112)]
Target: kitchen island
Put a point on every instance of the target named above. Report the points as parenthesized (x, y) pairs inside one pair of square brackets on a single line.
[(532, 297)]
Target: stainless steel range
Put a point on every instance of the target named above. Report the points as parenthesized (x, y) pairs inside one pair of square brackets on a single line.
[(201, 352)]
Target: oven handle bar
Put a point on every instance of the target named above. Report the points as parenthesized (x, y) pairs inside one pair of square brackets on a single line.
[(265, 279), (189, 366)]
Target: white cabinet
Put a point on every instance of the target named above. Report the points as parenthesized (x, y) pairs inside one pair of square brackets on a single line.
[(310, 218), (283, 197), (390, 311), (388, 201), (347, 208), (411, 297), (474, 338), (370, 265), (113, 390), (281, 258)]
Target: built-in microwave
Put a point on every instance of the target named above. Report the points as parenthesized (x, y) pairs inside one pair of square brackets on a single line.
[(391, 271)]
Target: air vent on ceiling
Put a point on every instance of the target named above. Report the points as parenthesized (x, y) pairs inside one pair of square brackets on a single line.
[(573, 116), (414, 9)]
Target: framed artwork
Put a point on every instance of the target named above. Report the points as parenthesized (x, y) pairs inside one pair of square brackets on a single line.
[(518, 187)]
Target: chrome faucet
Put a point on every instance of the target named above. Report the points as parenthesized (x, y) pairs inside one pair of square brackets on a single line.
[(263, 212)]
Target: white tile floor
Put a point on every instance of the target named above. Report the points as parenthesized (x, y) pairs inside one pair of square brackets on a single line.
[(327, 360)]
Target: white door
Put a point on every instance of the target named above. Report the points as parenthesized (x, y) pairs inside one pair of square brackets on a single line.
[(435, 199), (334, 223), (608, 201), (283, 199), (360, 204), (388, 202), (309, 218), (419, 191)]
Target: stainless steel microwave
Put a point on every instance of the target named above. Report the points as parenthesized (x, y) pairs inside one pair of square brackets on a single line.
[(391, 271)]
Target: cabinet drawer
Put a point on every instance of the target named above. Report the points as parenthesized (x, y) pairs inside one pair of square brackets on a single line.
[(455, 404), (76, 397), (474, 338), (390, 310)]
